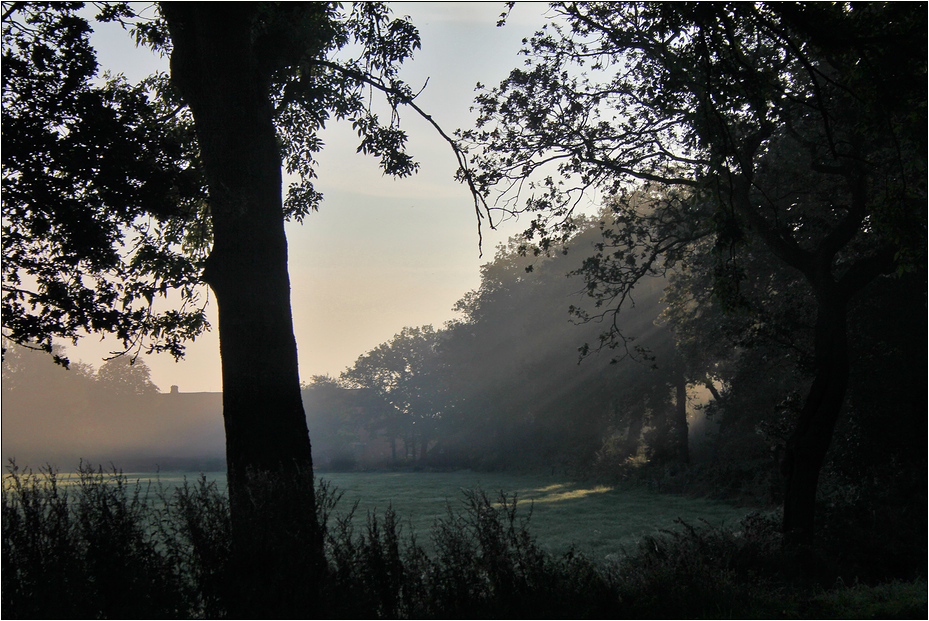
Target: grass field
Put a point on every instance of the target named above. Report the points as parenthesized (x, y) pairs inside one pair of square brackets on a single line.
[(600, 521), (704, 574)]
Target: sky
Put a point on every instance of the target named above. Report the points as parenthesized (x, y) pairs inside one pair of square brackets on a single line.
[(381, 253)]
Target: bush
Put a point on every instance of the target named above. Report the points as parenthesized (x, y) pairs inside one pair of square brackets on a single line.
[(85, 551), (195, 528), (706, 572), (485, 564), (97, 549)]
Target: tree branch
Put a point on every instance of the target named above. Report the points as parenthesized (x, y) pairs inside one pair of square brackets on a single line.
[(15, 6), (465, 172)]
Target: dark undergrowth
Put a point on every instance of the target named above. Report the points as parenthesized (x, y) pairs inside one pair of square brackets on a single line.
[(98, 549)]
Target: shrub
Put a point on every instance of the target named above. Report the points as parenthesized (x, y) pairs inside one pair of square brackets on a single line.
[(195, 528), (83, 551), (98, 549), (485, 564), (704, 572)]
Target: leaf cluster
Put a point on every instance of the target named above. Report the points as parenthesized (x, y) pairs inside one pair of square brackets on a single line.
[(746, 124), (105, 206), (102, 194), (331, 63)]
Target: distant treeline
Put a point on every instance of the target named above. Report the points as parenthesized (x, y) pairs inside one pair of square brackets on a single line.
[(517, 382), (114, 414)]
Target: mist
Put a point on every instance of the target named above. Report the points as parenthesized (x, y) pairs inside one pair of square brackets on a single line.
[(501, 385), (58, 417)]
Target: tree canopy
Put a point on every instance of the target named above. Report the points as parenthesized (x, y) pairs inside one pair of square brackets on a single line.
[(106, 203), (404, 372), (103, 197), (501, 386), (796, 128), (250, 87)]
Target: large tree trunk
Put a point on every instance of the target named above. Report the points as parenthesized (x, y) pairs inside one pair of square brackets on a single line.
[(679, 425), (806, 449), (269, 464)]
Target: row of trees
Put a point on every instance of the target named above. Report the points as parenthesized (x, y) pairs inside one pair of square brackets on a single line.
[(794, 133), (503, 386), (26, 376)]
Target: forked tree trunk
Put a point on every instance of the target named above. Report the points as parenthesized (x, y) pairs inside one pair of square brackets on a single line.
[(276, 545), (806, 449)]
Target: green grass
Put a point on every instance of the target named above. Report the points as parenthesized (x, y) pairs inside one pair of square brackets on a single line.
[(893, 600), (600, 521), (98, 550)]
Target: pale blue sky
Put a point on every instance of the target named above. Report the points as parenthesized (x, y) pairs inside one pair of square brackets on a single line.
[(381, 254)]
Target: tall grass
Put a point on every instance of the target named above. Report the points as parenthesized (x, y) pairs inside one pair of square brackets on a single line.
[(97, 549), (88, 550)]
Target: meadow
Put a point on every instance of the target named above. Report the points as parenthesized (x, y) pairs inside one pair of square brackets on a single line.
[(102, 546), (598, 520)]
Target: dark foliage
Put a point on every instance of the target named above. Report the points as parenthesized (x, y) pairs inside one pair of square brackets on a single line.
[(103, 200), (750, 126), (485, 564), (98, 550), (83, 552)]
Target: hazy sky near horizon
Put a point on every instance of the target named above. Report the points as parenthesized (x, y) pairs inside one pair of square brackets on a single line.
[(381, 253)]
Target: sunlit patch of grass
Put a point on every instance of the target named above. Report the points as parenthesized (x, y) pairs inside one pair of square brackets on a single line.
[(554, 493), (597, 520), (551, 488)]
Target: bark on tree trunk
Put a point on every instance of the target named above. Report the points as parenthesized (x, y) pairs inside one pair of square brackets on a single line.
[(680, 418), (806, 449), (267, 444)]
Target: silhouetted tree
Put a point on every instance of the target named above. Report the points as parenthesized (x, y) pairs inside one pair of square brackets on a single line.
[(126, 376), (403, 371), (253, 83), (797, 126)]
